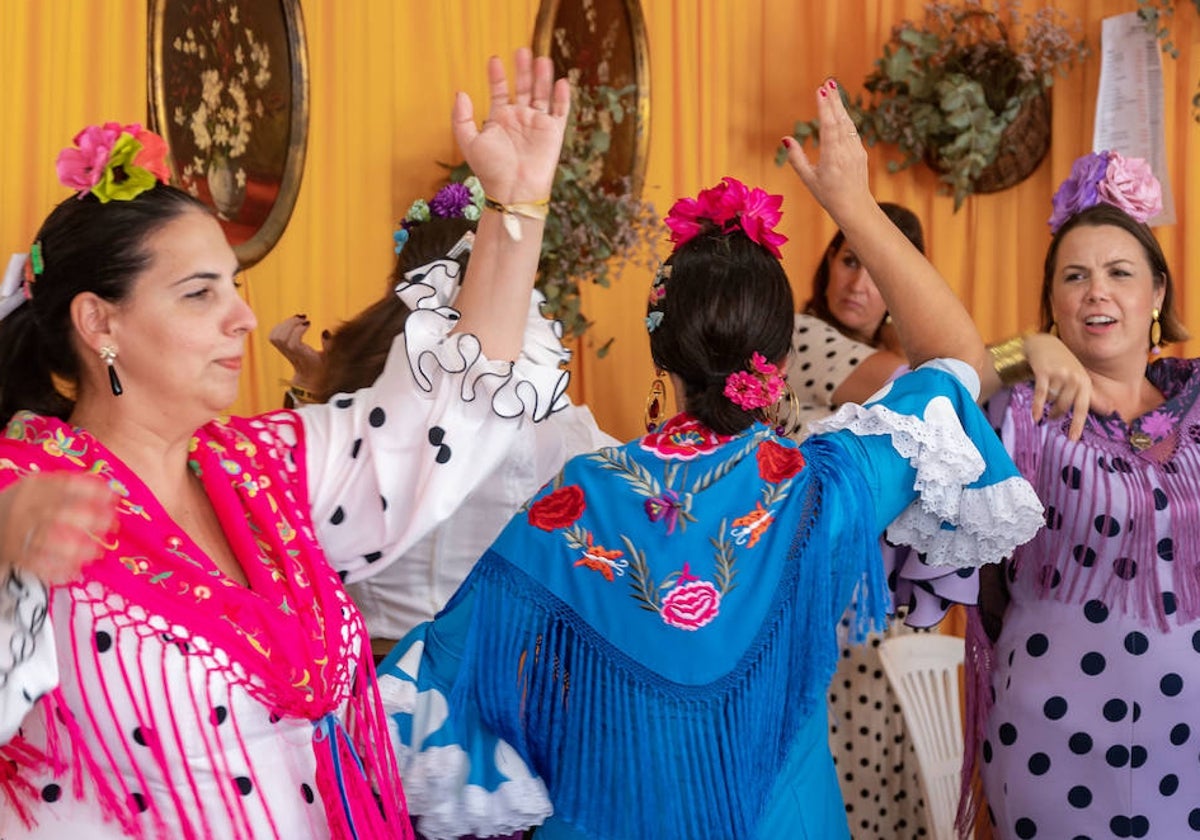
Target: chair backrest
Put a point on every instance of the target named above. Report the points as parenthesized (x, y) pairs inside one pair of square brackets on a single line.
[(923, 669)]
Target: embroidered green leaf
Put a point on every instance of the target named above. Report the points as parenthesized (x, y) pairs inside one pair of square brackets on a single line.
[(637, 476), (725, 561), (723, 469), (773, 493), (160, 577), (576, 537), (639, 577)]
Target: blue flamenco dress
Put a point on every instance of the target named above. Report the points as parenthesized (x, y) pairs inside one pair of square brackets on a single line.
[(645, 650)]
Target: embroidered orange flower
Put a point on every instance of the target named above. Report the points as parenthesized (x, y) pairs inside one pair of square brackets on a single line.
[(777, 462), (559, 509), (600, 559), (747, 529)]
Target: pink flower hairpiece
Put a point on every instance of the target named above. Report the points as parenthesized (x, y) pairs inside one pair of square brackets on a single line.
[(758, 387), (728, 205), (114, 161), (1106, 177)]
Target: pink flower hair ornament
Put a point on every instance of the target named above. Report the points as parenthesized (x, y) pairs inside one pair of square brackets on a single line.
[(114, 162), (756, 388), (1109, 178), (729, 205)]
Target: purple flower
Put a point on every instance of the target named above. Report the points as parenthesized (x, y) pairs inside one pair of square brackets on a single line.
[(450, 201), (1079, 191)]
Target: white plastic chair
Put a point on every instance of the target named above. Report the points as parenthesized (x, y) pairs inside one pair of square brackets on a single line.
[(923, 669)]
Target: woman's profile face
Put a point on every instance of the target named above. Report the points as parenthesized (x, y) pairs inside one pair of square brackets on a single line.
[(851, 295), (181, 332), (1102, 295)]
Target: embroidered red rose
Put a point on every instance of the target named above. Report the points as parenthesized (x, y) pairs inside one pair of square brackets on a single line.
[(682, 438), (777, 462), (559, 509), (691, 605)]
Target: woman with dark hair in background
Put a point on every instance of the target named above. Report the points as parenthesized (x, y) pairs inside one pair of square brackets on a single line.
[(404, 590)]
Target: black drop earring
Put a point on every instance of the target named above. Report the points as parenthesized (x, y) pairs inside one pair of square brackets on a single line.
[(109, 355)]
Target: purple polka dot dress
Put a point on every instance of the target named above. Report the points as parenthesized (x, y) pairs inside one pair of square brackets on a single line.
[(1095, 727)]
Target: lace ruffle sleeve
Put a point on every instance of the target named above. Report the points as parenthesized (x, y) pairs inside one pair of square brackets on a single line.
[(960, 501)]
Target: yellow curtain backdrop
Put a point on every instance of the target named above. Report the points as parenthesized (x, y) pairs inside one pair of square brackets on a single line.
[(727, 79)]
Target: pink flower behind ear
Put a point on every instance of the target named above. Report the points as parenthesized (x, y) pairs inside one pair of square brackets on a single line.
[(1129, 184)]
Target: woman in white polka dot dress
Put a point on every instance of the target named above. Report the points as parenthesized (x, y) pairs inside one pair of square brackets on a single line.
[(178, 658), (1094, 722)]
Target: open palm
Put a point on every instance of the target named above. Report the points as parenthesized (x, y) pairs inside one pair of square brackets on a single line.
[(515, 153)]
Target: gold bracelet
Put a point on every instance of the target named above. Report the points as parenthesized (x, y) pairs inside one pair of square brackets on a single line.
[(535, 210), (301, 395), (1009, 360)]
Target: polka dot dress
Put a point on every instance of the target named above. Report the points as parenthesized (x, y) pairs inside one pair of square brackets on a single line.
[(876, 764), (1095, 729), (821, 360)]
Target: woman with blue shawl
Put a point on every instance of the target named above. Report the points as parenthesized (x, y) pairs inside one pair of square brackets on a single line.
[(645, 650)]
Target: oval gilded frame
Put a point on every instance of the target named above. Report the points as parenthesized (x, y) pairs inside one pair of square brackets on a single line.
[(570, 32), (244, 158)]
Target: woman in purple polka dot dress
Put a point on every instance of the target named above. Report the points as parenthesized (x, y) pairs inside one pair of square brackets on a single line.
[(1094, 663)]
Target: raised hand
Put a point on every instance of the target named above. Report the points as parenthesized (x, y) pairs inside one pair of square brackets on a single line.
[(515, 152), (838, 180), (51, 525), (288, 338)]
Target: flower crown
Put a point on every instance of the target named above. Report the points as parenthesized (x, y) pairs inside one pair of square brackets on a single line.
[(459, 200), (114, 162), (1106, 177), (729, 205)]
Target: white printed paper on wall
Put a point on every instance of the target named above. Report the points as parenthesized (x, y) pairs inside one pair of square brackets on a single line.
[(1129, 103)]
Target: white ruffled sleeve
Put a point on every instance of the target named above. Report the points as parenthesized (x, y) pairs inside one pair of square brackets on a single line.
[(388, 463), (937, 470), (28, 662)]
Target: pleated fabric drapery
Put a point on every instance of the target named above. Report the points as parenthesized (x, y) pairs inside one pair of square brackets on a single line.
[(727, 81)]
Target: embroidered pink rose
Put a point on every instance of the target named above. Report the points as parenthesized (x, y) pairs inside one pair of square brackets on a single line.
[(1130, 185), (691, 605), (682, 438)]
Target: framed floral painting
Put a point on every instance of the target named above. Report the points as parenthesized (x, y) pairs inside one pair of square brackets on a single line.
[(602, 45), (229, 93)]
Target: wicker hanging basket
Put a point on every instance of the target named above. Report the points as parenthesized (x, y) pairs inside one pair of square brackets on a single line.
[(1022, 146)]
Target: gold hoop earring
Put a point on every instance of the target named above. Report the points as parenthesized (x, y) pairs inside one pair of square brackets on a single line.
[(656, 402), (1155, 331), (777, 418)]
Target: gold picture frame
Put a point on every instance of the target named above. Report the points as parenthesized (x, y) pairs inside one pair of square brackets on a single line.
[(604, 42), (229, 92)]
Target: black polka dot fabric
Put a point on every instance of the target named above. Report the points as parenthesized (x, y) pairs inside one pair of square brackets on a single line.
[(876, 765), (1095, 729), (821, 359)]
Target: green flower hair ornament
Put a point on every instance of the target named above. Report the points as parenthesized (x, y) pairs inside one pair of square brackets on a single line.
[(463, 200)]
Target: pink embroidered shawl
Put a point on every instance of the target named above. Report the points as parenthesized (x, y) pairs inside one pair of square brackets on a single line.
[(292, 639)]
